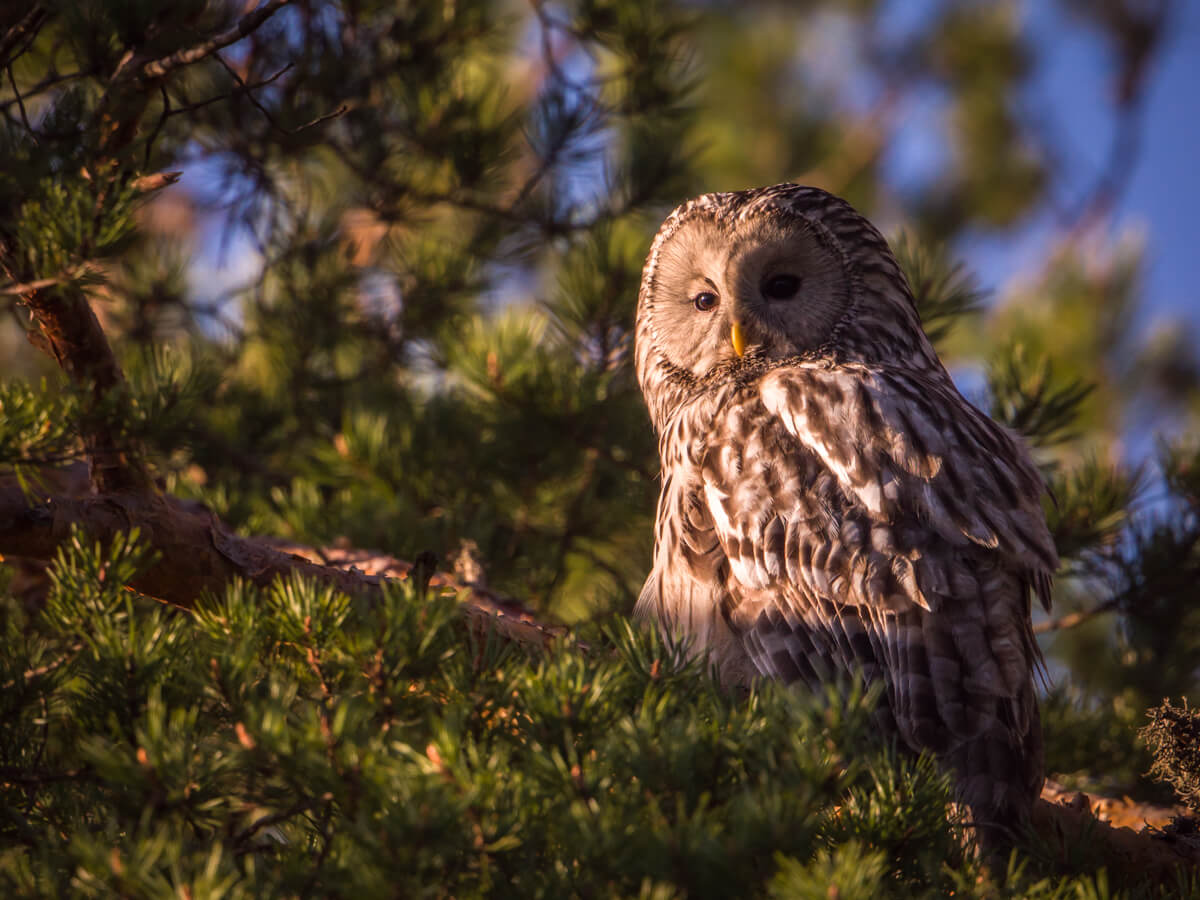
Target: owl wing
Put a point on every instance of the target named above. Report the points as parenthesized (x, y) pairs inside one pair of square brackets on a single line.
[(874, 520), (686, 594), (920, 462)]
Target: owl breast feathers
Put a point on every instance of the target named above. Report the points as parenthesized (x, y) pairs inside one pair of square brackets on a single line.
[(832, 508)]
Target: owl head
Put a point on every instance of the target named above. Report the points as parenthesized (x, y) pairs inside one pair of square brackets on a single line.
[(740, 281)]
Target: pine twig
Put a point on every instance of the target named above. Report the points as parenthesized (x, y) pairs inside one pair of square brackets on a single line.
[(196, 553), (74, 338), (248, 91), (142, 68), (1071, 620), (22, 32)]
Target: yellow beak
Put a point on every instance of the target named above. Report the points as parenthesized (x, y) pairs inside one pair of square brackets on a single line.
[(738, 339)]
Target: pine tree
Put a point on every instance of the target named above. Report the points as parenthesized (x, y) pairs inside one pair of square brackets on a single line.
[(441, 211)]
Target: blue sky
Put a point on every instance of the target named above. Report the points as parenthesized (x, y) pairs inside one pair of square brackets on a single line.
[(1071, 91), (1071, 88), (1162, 197)]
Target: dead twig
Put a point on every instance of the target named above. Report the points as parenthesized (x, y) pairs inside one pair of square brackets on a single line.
[(248, 91), (143, 68), (1071, 620)]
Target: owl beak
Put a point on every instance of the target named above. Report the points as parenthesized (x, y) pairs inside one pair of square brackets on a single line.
[(738, 337)]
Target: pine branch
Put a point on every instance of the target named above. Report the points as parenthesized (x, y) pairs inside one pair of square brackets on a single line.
[(195, 553), (73, 336), (21, 32), (151, 68), (70, 331), (1067, 824), (248, 91), (243, 837), (52, 79), (1072, 620)]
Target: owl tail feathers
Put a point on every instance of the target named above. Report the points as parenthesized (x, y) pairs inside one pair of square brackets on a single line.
[(999, 776), (993, 832)]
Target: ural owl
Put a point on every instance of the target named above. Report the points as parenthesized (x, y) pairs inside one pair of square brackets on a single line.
[(831, 506)]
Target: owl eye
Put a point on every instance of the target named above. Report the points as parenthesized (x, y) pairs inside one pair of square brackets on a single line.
[(781, 287), (705, 301)]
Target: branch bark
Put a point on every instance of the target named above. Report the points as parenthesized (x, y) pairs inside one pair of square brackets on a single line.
[(246, 25), (1067, 823), (1071, 620), (197, 553), (20, 31), (73, 336)]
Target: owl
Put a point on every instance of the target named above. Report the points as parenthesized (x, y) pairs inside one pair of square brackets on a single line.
[(831, 507)]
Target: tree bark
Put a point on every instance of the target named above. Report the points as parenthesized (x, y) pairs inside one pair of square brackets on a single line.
[(194, 553)]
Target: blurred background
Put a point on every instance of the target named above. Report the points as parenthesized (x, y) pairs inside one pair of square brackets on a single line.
[(388, 300)]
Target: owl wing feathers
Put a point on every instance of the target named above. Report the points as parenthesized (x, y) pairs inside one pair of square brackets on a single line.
[(685, 592), (868, 523), (912, 452)]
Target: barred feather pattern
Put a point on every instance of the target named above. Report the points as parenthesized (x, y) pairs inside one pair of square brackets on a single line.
[(844, 513)]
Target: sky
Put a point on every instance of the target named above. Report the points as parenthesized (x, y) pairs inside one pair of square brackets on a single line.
[(1162, 198), (1071, 88)]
